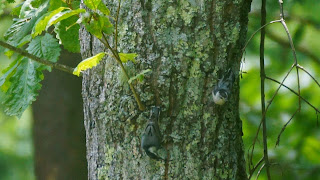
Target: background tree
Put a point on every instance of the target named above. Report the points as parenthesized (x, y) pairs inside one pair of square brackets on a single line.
[(58, 129)]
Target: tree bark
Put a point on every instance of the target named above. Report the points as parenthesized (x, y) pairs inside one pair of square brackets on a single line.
[(188, 45)]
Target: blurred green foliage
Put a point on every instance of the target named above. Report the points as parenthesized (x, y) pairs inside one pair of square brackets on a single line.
[(16, 147), (298, 156)]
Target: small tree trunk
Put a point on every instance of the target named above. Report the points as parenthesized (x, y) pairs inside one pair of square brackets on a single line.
[(188, 45)]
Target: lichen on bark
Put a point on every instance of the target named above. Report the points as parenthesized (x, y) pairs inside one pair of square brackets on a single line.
[(188, 45)]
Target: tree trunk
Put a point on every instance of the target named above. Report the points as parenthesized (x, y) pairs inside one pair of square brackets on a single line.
[(188, 45), (58, 131)]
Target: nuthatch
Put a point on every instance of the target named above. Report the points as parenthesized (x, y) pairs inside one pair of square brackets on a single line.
[(222, 90)]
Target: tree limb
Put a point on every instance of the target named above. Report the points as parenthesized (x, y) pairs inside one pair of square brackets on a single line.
[(58, 66)]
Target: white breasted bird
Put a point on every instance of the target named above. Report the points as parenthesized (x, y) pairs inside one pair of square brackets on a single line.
[(151, 138), (222, 90)]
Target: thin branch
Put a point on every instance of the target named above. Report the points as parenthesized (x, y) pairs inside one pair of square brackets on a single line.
[(268, 105), (245, 46), (303, 99), (284, 127), (255, 167), (260, 171), (314, 79), (58, 66), (117, 57), (116, 35), (292, 46), (262, 76), (254, 141)]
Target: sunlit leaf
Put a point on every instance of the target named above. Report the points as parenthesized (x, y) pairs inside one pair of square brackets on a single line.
[(125, 57), (64, 15), (41, 25), (103, 8), (92, 4), (88, 63)]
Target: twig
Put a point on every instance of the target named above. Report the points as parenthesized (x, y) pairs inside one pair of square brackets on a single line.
[(255, 167), (260, 171), (314, 79), (284, 127), (252, 35), (303, 99), (117, 57), (292, 46), (262, 76), (116, 35), (58, 66)]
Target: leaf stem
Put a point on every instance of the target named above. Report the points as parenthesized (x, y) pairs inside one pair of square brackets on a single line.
[(116, 35), (58, 66), (117, 57)]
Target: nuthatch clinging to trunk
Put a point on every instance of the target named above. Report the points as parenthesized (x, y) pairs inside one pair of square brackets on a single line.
[(151, 136), (222, 90)]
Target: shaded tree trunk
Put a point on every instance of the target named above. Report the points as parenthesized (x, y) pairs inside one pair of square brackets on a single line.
[(188, 45), (58, 131)]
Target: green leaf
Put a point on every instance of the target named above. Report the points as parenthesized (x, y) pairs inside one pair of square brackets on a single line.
[(92, 4), (22, 42), (41, 25), (45, 47), (139, 76), (64, 15), (24, 87), (68, 33), (4, 79), (16, 10), (88, 63), (107, 26), (103, 8), (22, 27), (125, 57)]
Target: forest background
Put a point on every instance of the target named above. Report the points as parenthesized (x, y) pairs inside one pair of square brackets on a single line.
[(297, 156)]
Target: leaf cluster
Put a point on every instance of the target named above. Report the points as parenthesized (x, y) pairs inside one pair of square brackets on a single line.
[(31, 31)]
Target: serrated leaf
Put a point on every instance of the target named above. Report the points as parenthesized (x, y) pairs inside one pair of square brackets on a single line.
[(42, 23), (64, 15), (69, 36), (103, 8), (88, 63), (125, 57), (139, 76), (25, 84), (45, 47), (92, 4)]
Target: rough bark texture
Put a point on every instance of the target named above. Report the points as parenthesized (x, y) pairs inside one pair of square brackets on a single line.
[(58, 131), (188, 45)]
